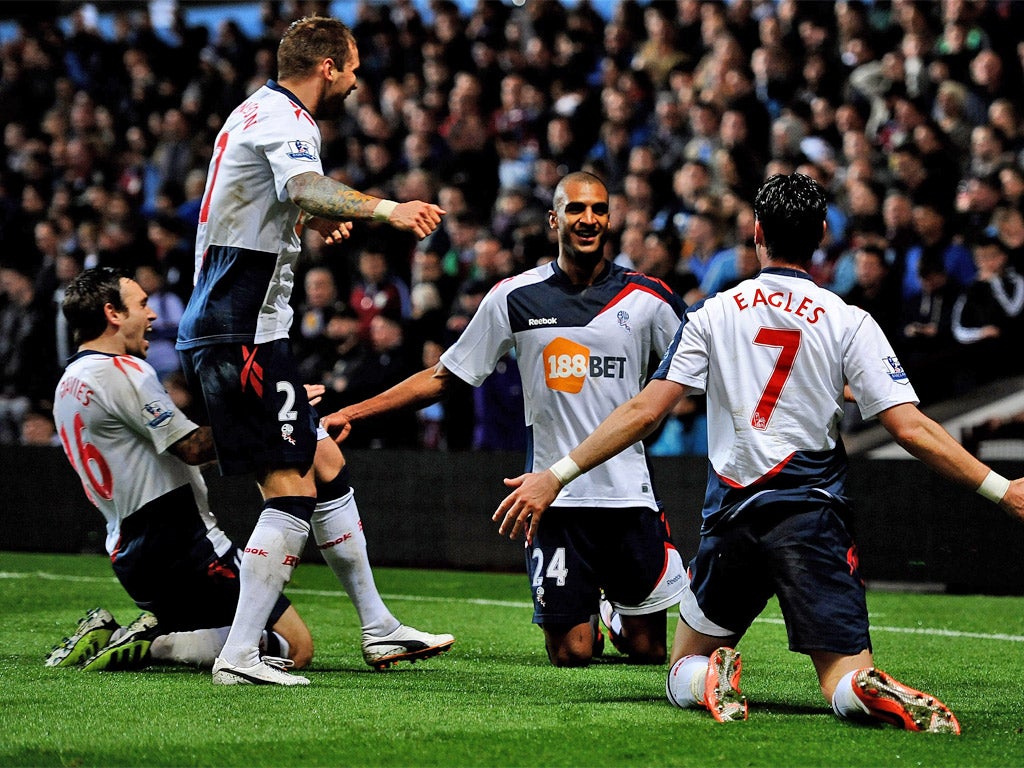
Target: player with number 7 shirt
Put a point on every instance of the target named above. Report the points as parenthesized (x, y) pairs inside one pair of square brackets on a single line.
[(774, 355)]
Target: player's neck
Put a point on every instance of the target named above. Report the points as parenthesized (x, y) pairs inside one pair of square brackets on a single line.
[(581, 273), (305, 91), (110, 345), (782, 264)]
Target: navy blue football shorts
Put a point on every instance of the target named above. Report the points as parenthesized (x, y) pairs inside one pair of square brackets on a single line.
[(578, 551), (256, 405), (168, 566), (806, 557)]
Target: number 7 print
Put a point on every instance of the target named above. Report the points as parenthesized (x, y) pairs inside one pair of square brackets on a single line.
[(789, 342)]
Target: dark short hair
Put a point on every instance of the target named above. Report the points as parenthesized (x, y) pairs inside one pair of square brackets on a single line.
[(85, 298), (791, 210)]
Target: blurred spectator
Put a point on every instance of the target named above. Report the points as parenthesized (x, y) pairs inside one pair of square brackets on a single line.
[(173, 254), (996, 428), (69, 265), (731, 267), (631, 247), (934, 244), (376, 290), (874, 290), (322, 323), (926, 346), (1008, 225), (498, 410), (703, 243), (37, 428), (492, 261), (28, 370), (385, 361), (690, 182), (660, 258), (988, 316)]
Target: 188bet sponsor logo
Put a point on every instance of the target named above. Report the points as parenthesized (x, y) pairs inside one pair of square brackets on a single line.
[(568, 364)]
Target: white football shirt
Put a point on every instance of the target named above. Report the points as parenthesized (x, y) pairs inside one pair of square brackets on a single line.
[(248, 239), (116, 422), (773, 354), (581, 353)]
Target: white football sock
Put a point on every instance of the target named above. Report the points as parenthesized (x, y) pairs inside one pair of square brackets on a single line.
[(615, 623), (684, 686), (199, 647), (845, 701), (270, 556), (338, 532)]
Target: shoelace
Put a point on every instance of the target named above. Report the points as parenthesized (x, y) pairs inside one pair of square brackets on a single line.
[(278, 662)]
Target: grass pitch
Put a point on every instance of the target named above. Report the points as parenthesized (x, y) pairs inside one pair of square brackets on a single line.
[(493, 700)]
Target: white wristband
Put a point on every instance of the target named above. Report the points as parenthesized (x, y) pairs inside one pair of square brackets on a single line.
[(384, 210), (566, 470), (994, 487)]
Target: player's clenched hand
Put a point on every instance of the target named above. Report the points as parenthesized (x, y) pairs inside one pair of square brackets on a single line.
[(522, 509), (333, 232), (417, 217), (337, 424)]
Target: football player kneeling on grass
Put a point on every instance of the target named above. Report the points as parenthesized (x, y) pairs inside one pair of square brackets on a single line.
[(773, 355), (137, 457)]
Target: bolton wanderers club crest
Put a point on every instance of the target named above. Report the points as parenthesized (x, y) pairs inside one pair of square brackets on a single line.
[(286, 433)]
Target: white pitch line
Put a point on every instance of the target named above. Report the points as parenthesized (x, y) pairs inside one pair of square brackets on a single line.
[(928, 631), (333, 593)]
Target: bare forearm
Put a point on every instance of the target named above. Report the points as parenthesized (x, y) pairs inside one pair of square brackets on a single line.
[(628, 424), (417, 391), (321, 196), (196, 447), (926, 440)]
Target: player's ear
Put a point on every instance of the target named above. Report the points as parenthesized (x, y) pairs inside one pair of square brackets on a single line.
[(113, 314), (552, 220)]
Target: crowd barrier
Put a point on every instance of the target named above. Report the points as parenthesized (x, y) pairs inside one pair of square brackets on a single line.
[(428, 509)]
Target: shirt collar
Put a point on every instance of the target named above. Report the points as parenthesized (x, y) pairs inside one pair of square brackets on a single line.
[(275, 86)]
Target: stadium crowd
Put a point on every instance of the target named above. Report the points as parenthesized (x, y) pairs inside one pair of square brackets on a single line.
[(909, 113)]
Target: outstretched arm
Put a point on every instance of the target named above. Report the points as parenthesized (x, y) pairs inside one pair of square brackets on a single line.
[(926, 440), (333, 201), (419, 390), (630, 422)]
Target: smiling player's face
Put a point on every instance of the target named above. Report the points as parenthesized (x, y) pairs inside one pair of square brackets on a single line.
[(582, 221)]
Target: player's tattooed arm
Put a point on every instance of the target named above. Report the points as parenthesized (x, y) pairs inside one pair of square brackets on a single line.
[(196, 447), (329, 199)]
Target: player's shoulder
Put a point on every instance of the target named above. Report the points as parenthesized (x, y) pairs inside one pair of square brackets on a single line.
[(524, 279), (111, 368), (644, 284)]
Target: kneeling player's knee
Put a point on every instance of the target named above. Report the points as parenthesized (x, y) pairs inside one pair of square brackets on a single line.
[(574, 648), (301, 653), (563, 656), (647, 653), (643, 639)]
